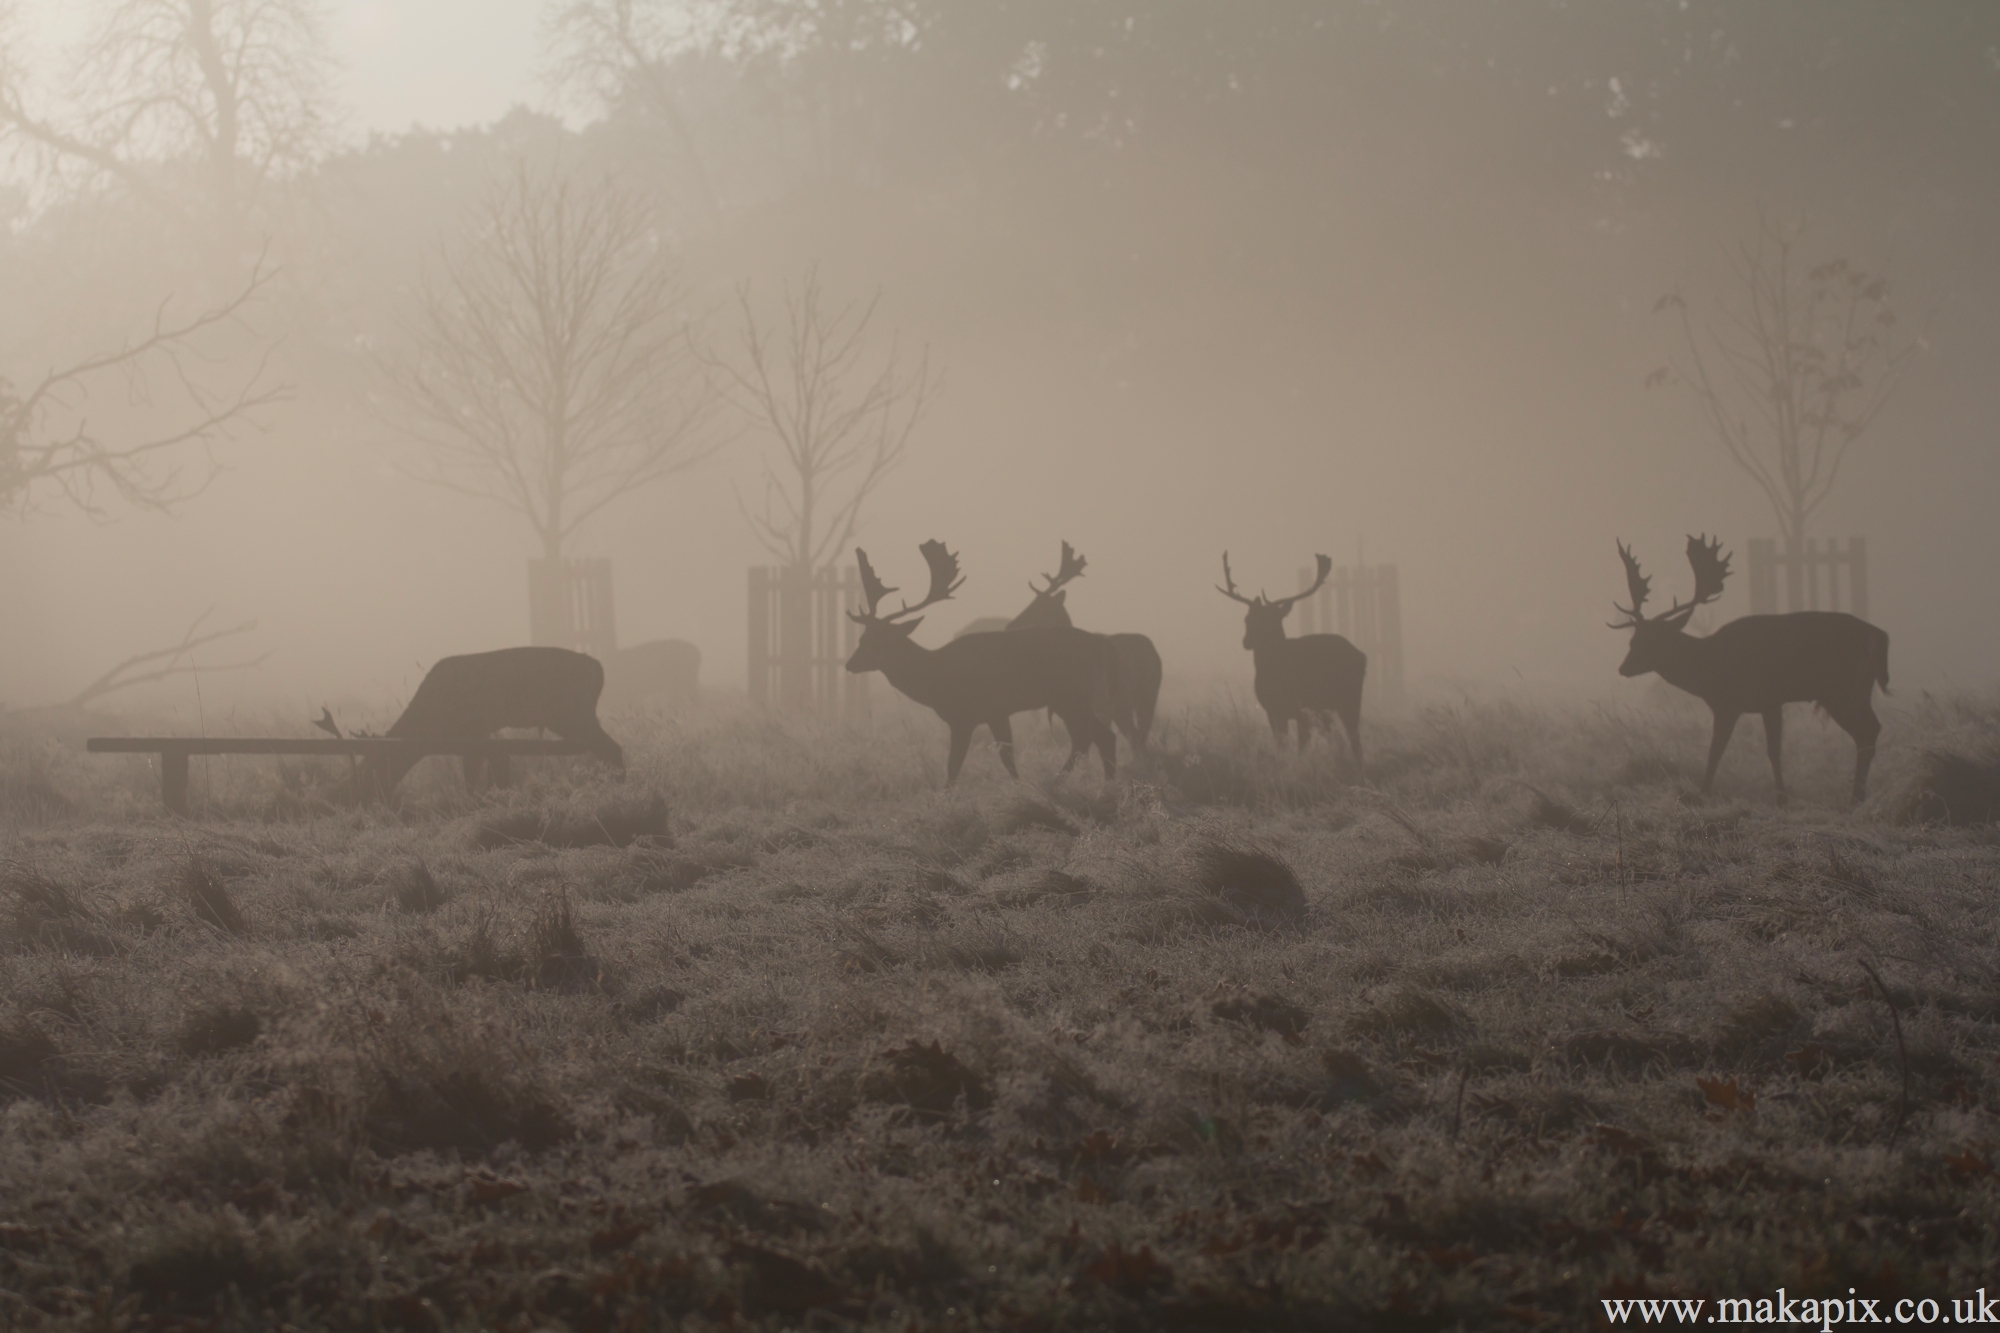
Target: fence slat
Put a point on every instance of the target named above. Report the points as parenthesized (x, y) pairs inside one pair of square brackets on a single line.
[(1362, 604), (1819, 575), (801, 638)]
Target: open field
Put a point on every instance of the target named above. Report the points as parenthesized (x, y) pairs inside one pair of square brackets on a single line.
[(776, 1034)]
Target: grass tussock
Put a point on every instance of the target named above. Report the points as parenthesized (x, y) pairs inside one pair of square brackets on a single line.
[(1228, 1043), (207, 897), (1949, 788)]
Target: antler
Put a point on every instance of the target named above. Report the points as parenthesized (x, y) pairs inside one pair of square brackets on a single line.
[(945, 581), (871, 587), (1072, 565), (1637, 584), (1325, 568), (1711, 567), (1230, 590)]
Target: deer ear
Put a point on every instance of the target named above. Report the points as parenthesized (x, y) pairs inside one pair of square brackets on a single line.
[(1060, 597), (907, 627)]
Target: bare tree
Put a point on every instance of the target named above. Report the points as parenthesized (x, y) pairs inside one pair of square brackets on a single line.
[(549, 364), (841, 423), (1791, 376), (175, 659), (47, 439), (190, 106)]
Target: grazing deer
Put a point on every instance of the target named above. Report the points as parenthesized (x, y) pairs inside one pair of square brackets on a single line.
[(1138, 693), (987, 678), (471, 697), (1303, 678), (1758, 664)]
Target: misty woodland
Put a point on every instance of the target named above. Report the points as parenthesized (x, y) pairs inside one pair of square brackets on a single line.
[(1051, 665)]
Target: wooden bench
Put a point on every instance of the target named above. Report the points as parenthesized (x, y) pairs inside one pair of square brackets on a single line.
[(174, 752)]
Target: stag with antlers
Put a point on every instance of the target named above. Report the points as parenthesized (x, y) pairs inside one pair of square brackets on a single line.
[(984, 679), (1758, 664), (1305, 678), (1138, 692)]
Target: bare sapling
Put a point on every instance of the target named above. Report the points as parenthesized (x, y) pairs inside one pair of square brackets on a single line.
[(1758, 664)]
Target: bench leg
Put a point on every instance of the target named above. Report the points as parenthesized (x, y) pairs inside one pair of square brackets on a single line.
[(174, 781)]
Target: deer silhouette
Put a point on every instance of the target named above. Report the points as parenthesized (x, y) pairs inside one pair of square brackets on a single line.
[(984, 679), (1137, 695), (470, 697), (1305, 678), (1758, 664)]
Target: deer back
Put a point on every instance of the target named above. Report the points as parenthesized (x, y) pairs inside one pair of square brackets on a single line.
[(477, 694), (1759, 662), (1318, 671), (986, 676)]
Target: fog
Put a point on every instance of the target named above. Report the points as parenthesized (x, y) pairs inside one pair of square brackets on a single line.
[(1274, 279)]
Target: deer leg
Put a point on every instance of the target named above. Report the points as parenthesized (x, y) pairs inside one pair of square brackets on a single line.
[(1725, 725), (1280, 727), (1351, 720), (961, 741), (1774, 743), (1107, 747), (475, 773), (1862, 724), (1003, 732)]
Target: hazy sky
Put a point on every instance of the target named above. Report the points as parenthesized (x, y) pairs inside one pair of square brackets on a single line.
[(440, 63)]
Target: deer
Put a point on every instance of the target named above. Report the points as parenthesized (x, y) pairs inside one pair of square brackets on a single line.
[(1304, 678), (984, 679), (1137, 695), (1758, 663), (472, 696)]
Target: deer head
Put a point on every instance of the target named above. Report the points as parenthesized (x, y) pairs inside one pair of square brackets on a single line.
[(1047, 609), (881, 633), (1652, 637), (1264, 622)]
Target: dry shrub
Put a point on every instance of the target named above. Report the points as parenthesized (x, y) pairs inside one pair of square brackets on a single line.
[(31, 798), (201, 887), (1949, 788), (1267, 1013), (431, 1075), (211, 1029), (623, 820), (414, 887), (198, 1261), (1253, 882), (46, 913), (24, 1049), (1763, 1029), (1408, 1012), (927, 1079), (556, 953), (1621, 1050)]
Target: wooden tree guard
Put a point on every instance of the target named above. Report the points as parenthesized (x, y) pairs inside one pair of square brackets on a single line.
[(1813, 577), (569, 606), (800, 640), (1362, 604)]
